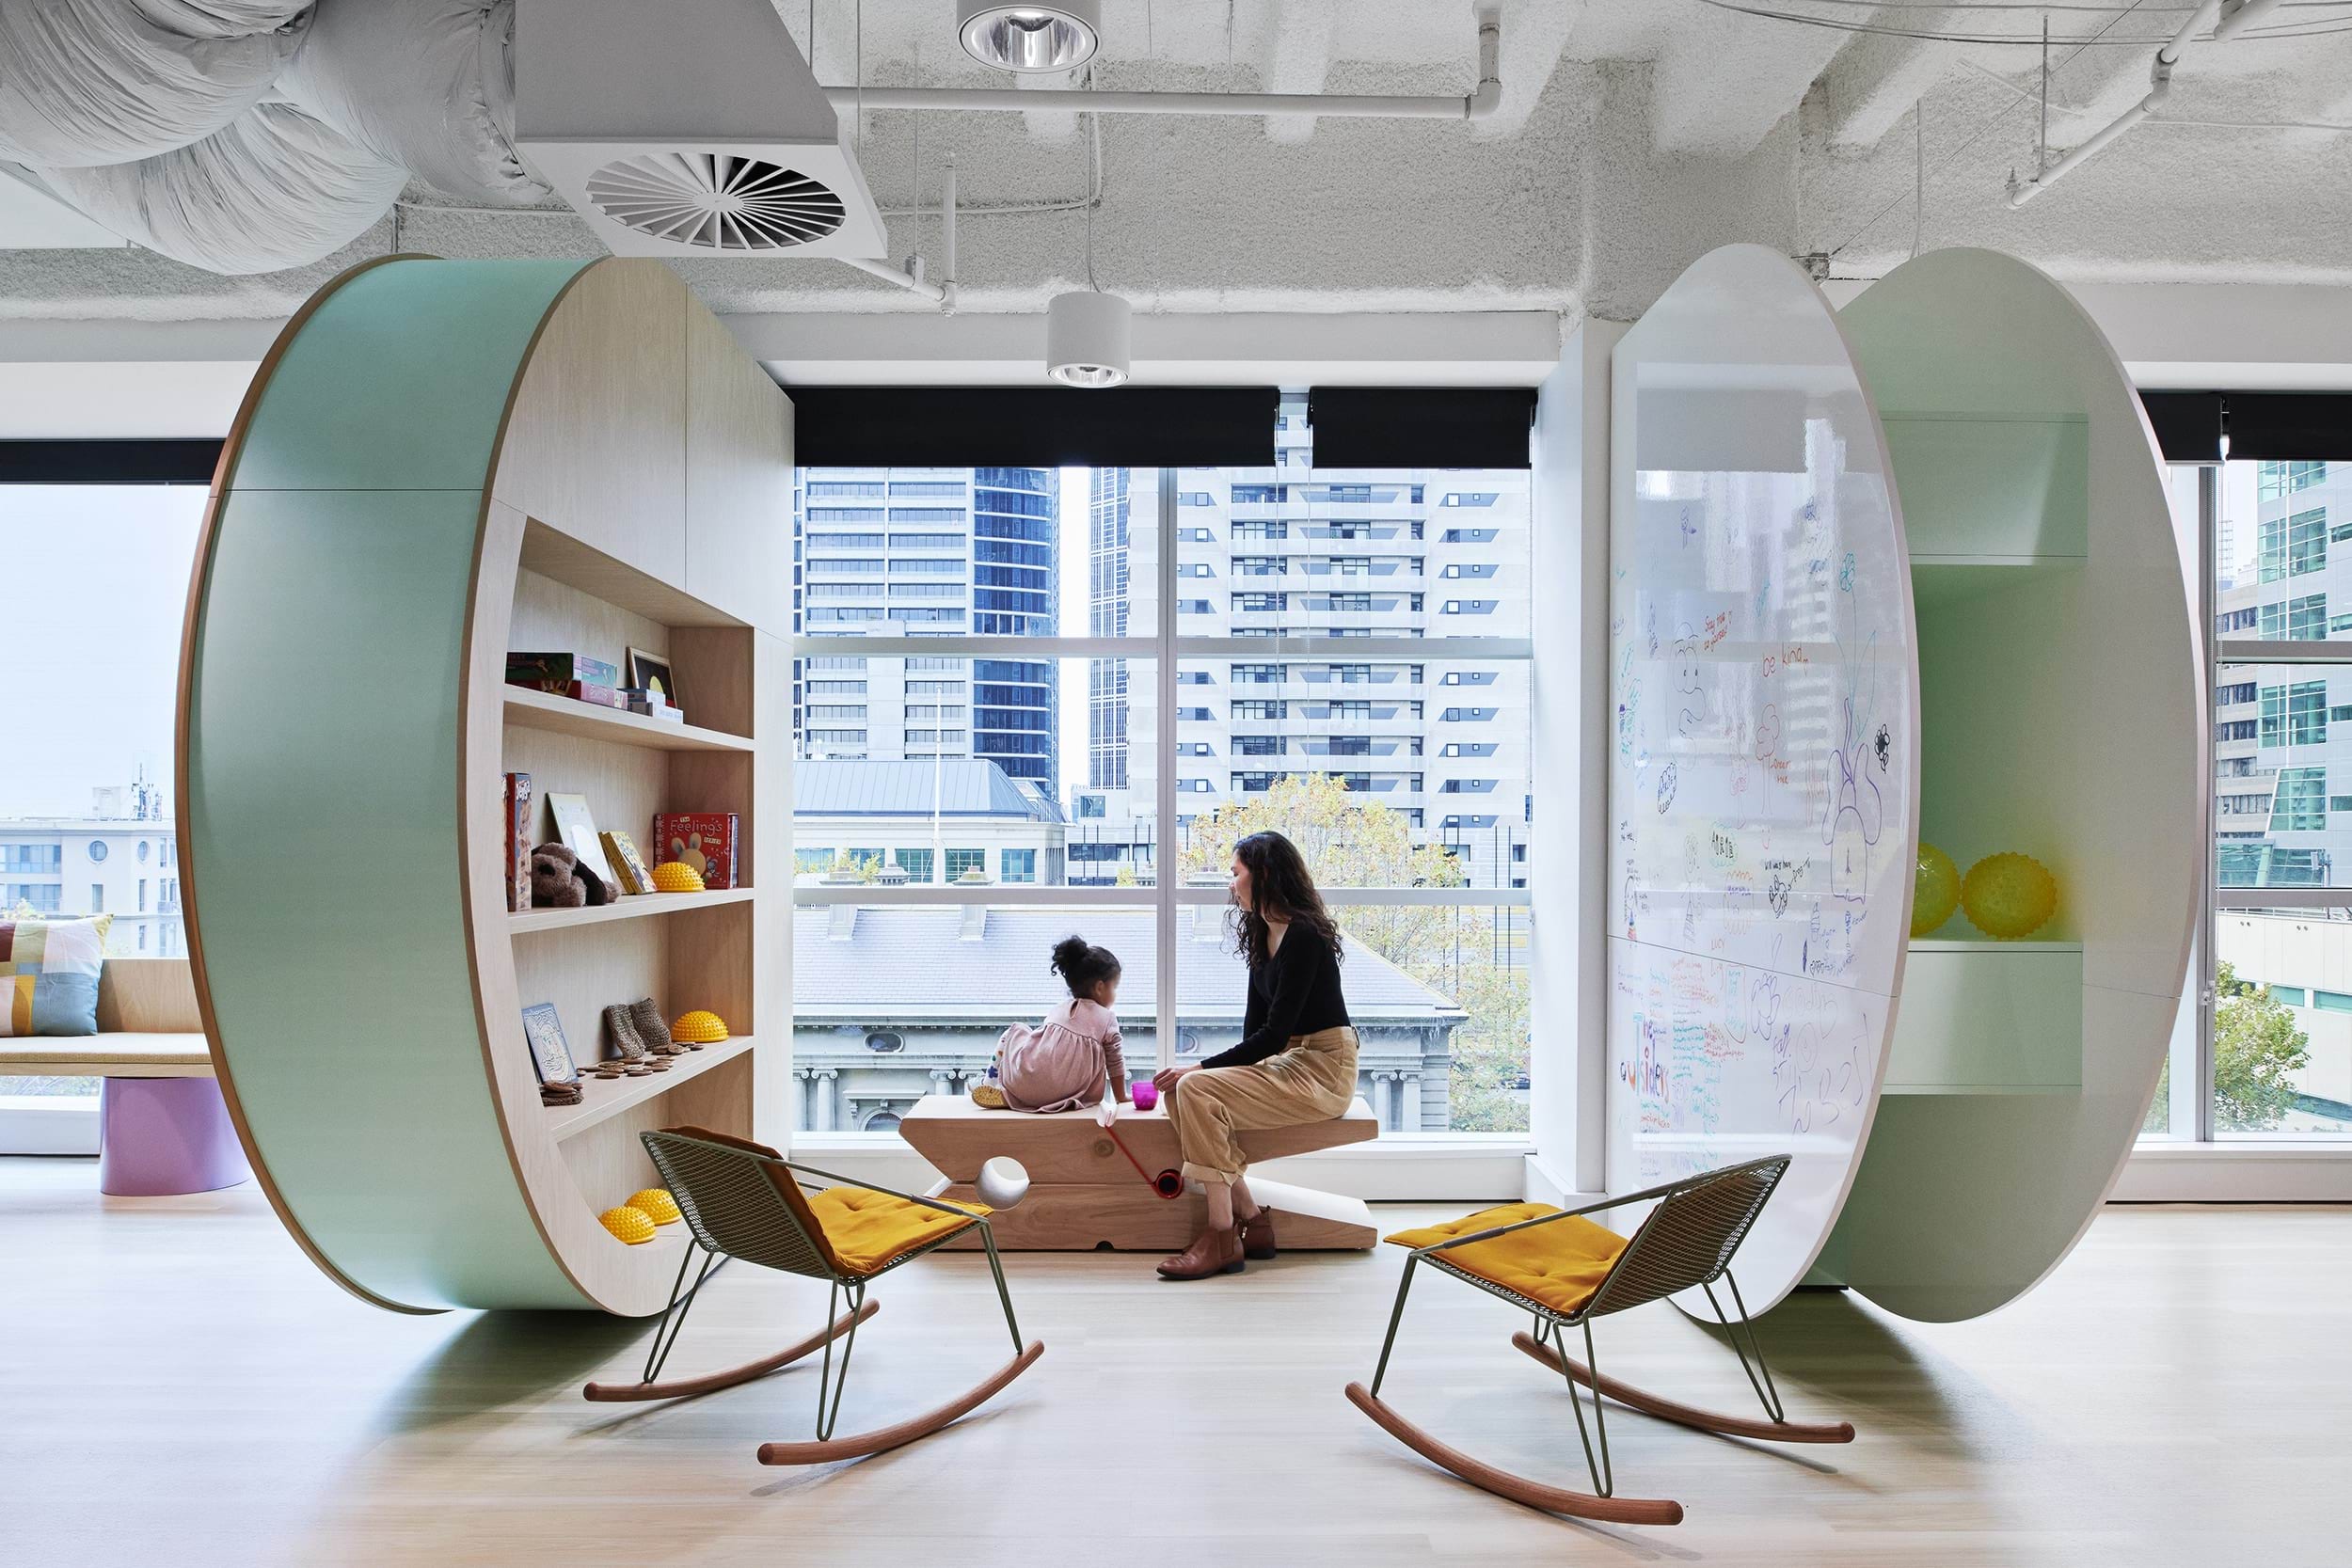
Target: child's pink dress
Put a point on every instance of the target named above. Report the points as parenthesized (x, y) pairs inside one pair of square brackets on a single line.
[(1063, 1062)]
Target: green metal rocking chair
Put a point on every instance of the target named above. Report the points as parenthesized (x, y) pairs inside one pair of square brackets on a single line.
[(742, 1199), (1687, 1241)]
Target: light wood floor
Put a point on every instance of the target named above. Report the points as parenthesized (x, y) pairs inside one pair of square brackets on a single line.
[(181, 1387)]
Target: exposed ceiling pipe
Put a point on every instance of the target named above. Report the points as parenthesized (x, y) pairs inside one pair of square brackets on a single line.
[(942, 294), (1475, 105), (2236, 17), (2159, 88)]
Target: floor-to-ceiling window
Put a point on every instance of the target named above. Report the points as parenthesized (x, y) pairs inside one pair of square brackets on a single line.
[(2267, 1051), (94, 584), (1042, 701)]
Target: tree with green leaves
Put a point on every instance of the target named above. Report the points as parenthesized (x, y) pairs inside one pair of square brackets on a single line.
[(1457, 952), (2257, 1051)]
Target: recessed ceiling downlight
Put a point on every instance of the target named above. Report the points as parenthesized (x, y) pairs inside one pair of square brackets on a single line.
[(1085, 340), (1058, 34), (715, 200)]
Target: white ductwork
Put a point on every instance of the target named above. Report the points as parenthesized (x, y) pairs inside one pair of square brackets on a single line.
[(428, 85), (150, 116), (690, 128), (92, 82), (276, 183)]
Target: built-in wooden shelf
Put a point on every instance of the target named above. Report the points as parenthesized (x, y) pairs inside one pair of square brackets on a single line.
[(626, 907), (601, 1098), (544, 710)]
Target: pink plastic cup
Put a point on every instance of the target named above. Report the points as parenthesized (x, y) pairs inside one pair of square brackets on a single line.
[(1146, 1094)]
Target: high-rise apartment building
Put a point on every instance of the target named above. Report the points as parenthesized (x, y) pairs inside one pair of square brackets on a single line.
[(2282, 743), (1107, 529), (1387, 554), (911, 552)]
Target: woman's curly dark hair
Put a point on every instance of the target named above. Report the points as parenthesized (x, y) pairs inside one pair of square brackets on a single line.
[(1279, 886)]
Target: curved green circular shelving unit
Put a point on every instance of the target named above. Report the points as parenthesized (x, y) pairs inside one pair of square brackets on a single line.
[(324, 790)]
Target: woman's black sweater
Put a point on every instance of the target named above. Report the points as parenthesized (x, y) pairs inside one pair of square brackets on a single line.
[(1295, 991)]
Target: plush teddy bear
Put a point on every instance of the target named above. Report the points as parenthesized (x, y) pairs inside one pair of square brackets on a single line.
[(562, 880)]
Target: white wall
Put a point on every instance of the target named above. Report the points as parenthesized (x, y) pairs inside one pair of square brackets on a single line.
[(1568, 855)]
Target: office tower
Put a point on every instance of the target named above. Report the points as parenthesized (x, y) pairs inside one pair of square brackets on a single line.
[(1106, 616), (911, 552)]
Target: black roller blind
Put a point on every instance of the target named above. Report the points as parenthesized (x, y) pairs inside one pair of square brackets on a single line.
[(1421, 427), (970, 427), (2187, 424), (108, 462)]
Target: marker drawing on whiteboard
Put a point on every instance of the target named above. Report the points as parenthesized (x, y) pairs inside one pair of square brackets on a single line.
[(1666, 788)]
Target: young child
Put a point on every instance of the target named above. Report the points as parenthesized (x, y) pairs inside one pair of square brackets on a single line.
[(1063, 1062)]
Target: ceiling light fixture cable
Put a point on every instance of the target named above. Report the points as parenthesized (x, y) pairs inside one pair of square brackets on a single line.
[(1989, 121)]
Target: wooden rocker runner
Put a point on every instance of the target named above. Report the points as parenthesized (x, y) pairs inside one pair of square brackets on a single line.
[(1567, 1270), (742, 1199)]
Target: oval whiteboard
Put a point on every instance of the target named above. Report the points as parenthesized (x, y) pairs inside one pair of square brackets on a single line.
[(2060, 665), (1764, 749)]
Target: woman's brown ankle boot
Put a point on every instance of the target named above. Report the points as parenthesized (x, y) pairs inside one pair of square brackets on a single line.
[(1213, 1252), (1257, 1235)]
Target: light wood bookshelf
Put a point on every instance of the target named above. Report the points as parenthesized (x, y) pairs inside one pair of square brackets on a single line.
[(630, 471), (629, 907)]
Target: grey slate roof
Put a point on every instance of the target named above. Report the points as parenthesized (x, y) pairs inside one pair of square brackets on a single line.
[(967, 786), (905, 962)]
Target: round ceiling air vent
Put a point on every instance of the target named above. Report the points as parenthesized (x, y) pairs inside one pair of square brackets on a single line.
[(715, 200)]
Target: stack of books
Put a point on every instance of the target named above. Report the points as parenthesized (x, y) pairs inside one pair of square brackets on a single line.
[(652, 704), (573, 676)]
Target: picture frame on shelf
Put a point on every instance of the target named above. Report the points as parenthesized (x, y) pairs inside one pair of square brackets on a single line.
[(651, 673), (550, 1053), (576, 828)]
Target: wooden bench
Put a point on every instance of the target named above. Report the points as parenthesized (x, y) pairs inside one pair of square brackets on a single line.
[(154, 1138), (1084, 1194)]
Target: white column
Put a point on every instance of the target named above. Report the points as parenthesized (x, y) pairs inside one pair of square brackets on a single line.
[(1409, 1122)]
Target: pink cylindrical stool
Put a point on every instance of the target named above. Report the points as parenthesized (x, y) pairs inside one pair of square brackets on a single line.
[(158, 1136)]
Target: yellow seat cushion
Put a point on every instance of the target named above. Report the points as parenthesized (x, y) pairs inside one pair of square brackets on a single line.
[(1560, 1264), (866, 1228)]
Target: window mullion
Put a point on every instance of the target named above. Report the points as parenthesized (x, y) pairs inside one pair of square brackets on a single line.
[(1164, 782)]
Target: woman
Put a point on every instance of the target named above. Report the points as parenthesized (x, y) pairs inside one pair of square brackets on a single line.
[(1295, 1062)]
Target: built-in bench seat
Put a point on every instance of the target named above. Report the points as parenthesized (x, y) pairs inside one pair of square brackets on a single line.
[(154, 1137), (1085, 1194), (148, 1027)]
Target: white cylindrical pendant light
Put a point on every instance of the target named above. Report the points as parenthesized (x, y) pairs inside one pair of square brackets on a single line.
[(1085, 340), (1047, 35)]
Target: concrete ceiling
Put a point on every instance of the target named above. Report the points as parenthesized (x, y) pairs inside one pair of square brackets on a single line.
[(1634, 134)]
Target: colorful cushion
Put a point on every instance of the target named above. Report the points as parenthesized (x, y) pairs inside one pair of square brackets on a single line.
[(1560, 1264), (866, 1228), (49, 976), (859, 1230)]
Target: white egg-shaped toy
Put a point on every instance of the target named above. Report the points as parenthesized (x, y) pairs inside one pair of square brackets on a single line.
[(1002, 1183)]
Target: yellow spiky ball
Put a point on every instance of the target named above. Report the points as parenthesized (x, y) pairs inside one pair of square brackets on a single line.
[(629, 1225), (657, 1205), (2008, 895), (699, 1028), (676, 877), (1935, 891)]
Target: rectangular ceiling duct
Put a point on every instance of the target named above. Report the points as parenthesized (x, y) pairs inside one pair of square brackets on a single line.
[(687, 128)]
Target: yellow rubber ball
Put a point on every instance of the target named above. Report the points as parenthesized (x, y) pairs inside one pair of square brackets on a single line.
[(657, 1205), (699, 1028), (2010, 895), (1935, 893), (629, 1225), (676, 877)]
